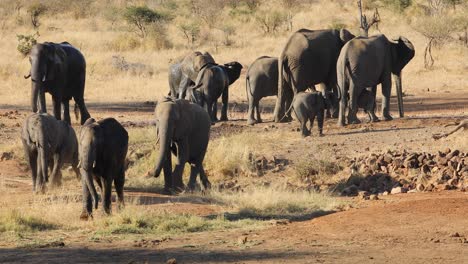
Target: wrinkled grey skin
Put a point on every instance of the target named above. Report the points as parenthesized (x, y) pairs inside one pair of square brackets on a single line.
[(59, 69), (261, 81), (212, 82), (103, 148), (309, 58), (184, 129), (307, 106), (183, 73), (367, 62), (48, 142)]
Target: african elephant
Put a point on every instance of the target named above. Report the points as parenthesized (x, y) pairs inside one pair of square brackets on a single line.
[(184, 129), (309, 58), (103, 148), (48, 142), (366, 62), (59, 69), (261, 81), (212, 82), (307, 106), (183, 73), (366, 101)]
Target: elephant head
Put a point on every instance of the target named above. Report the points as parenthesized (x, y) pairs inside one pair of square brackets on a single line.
[(91, 137), (233, 70), (402, 51), (46, 61), (172, 125), (201, 60)]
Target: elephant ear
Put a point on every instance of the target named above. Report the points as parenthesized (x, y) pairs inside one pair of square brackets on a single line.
[(345, 35), (181, 117), (233, 70), (402, 52), (202, 60), (56, 59)]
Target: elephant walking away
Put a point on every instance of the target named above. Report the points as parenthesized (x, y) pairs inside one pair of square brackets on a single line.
[(59, 69), (309, 58), (367, 62), (212, 82), (103, 148), (307, 106), (261, 81), (184, 72), (184, 129), (48, 141)]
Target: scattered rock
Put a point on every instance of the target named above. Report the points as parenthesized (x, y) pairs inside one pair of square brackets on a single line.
[(373, 197), (171, 261), (398, 190), (6, 156)]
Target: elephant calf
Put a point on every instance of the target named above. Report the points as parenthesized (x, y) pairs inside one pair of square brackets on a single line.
[(307, 106), (184, 129), (103, 148), (212, 82), (261, 81), (48, 141), (366, 101)]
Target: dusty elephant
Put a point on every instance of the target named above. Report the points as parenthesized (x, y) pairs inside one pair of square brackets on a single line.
[(309, 58), (103, 148), (306, 106), (184, 72), (261, 81), (212, 82), (59, 69), (366, 62), (184, 129), (48, 142)]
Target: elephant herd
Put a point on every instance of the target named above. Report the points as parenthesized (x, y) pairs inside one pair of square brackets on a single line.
[(347, 67)]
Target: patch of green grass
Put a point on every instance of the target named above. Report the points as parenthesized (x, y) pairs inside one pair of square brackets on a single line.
[(163, 223), (16, 221)]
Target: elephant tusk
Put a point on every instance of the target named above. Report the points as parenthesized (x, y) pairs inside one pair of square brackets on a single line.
[(79, 164)]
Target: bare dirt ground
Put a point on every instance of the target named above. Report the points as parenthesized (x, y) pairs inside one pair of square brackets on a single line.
[(404, 228)]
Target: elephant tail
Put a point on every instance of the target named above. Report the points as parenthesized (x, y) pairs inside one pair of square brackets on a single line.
[(77, 112), (248, 88)]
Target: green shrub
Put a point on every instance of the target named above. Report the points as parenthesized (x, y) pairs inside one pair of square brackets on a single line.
[(142, 17), (25, 43)]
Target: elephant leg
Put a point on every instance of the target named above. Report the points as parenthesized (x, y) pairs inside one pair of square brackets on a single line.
[(107, 192), (182, 157), (57, 107), (287, 104), (257, 110), (320, 117), (56, 173), (354, 91), (32, 159), (66, 111), (167, 169), (386, 92), (214, 110), (119, 182), (183, 85), (371, 107), (304, 130), (210, 106), (251, 119), (204, 179), (312, 120), (193, 177), (225, 101), (83, 111), (87, 201)]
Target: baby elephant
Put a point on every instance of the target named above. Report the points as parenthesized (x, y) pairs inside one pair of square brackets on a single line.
[(307, 106), (103, 148), (183, 128), (366, 101), (48, 142)]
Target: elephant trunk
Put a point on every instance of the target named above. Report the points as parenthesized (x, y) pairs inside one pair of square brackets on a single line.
[(34, 96), (399, 91), (279, 110), (165, 131)]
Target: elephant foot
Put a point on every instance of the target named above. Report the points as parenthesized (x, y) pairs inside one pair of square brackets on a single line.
[(388, 117), (207, 185), (167, 191), (306, 133), (335, 114), (85, 216), (223, 119), (341, 123), (321, 134), (374, 119), (251, 122), (354, 121), (259, 120)]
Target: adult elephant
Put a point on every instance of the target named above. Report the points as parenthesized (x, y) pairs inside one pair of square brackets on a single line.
[(183, 128), (309, 58), (213, 82), (183, 73), (366, 62), (261, 81), (59, 69)]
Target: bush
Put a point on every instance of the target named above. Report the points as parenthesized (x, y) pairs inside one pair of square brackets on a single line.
[(191, 31), (35, 10), (25, 43), (142, 17), (270, 21)]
